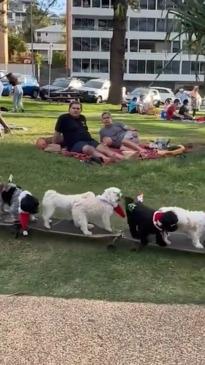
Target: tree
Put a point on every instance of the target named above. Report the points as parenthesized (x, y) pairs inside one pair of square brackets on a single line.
[(38, 61), (16, 44), (117, 51), (59, 59), (39, 19), (191, 15)]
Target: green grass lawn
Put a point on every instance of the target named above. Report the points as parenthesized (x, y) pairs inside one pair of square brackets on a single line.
[(46, 265)]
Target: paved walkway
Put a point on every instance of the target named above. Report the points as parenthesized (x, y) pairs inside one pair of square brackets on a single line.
[(48, 331)]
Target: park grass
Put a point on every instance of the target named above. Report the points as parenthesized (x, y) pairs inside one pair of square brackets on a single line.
[(46, 265)]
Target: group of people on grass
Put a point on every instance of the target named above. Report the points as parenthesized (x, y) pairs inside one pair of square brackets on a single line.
[(71, 132), (177, 109)]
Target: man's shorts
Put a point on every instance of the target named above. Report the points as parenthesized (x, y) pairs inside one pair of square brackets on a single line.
[(78, 146)]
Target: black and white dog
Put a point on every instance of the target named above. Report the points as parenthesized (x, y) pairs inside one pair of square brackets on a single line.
[(144, 221), (22, 205)]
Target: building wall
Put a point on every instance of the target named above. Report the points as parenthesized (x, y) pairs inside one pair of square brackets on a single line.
[(49, 37), (147, 52)]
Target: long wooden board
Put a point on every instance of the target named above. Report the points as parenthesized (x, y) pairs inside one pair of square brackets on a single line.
[(180, 242)]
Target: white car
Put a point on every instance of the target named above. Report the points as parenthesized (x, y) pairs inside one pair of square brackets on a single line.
[(165, 93), (149, 94), (95, 90)]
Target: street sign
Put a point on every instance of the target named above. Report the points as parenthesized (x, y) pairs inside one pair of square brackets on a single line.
[(50, 54)]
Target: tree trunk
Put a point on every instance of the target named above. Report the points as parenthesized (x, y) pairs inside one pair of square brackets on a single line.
[(117, 52)]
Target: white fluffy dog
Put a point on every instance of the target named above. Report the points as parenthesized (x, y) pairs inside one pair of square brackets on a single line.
[(190, 222), (97, 210), (55, 201)]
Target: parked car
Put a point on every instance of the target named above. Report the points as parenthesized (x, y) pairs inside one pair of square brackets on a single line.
[(95, 90), (29, 85), (61, 86), (7, 90), (147, 92), (165, 93)]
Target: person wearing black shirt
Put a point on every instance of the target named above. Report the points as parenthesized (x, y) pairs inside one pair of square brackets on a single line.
[(184, 110), (76, 137)]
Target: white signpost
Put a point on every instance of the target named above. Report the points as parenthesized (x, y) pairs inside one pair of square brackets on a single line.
[(50, 59)]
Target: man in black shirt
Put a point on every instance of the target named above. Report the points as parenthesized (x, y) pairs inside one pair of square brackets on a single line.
[(184, 110), (76, 136)]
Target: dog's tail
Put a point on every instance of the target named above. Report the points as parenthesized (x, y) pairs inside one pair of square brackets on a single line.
[(88, 194)]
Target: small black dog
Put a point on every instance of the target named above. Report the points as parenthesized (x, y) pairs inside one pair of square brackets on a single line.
[(144, 221)]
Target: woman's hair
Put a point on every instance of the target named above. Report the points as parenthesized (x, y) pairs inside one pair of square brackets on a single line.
[(75, 103), (106, 113)]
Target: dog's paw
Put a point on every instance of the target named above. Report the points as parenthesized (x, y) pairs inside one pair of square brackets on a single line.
[(48, 226), (87, 233), (90, 226)]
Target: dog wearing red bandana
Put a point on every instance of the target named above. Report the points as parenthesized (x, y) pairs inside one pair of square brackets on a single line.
[(144, 221)]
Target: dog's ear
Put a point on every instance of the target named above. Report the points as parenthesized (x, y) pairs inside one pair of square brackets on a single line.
[(169, 221)]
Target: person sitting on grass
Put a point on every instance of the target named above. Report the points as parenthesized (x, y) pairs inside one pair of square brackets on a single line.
[(118, 135), (132, 106), (184, 110), (172, 111), (76, 137)]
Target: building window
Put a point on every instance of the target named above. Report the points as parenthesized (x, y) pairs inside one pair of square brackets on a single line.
[(143, 4), (186, 67), (85, 44), (147, 46), (104, 66), (76, 65), (160, 25), (95, 65), (80, 23), (76, 44), (202, 68), (134, 45), (86, 3), (105, 24), (158, 67), (152, 4), (134, 24), (94, 44), (136, 67), (85, 65), (77, 3), (96, 3), (176, 46), (105, 44), (132, 67), (194, 68), (105, 4), (150, 67), (172, 68)]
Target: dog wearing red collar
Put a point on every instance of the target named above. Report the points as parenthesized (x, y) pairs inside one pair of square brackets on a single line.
[(144, 221)]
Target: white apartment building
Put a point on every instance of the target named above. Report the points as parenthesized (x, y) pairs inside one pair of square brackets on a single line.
[(17, 13), (147, 51)]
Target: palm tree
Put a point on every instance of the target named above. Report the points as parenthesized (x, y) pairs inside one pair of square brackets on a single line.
[(191, 14), (117, 51)]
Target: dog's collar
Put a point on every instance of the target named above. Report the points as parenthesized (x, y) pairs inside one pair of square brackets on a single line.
[(157, 216), (118, 209), (105, 201)]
